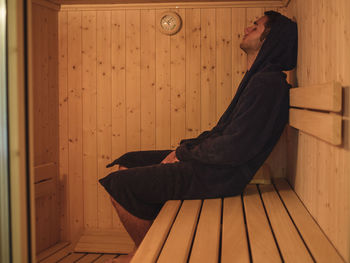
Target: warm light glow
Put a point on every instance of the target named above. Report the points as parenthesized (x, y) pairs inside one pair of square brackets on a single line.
[(2, 13)]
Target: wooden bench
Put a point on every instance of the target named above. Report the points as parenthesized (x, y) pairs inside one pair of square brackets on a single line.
[(267, 223)]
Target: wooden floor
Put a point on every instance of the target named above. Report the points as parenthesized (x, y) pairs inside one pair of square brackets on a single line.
[(63, 253), (70, 257)]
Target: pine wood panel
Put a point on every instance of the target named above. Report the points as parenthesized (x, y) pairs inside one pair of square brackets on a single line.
[(41, 81), (52, 250), (223, 59), (135, 88), (136, 4), (152, 244), (321, 249), (262, 243), (104, 113), (291, 245), (45, 123), (234, 237), (180, 237), (88, 258), (89, 118), (58, 255), (208, 69), (178, 84), (118, 90), (327, 97), (319, 171), (104, 258), (239, 61), (105, 241), (75, 125), (132, 77), (207, 240), (63, 125), (326, 126), (72, 257), (45, 172), (148, 79), (162, 88), (193, 72)]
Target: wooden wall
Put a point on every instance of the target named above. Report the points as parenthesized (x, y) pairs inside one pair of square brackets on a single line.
[(319, 171), (45, 123), (125, 86)]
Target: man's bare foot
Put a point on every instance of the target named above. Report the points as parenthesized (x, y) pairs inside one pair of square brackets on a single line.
[(122, 258)]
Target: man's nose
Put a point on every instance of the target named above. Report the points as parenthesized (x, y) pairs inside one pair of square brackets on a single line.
[(247, 30)]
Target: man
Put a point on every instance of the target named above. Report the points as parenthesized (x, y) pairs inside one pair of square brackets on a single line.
[(222, 161)]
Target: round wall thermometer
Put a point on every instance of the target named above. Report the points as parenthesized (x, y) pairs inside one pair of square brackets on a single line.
[(170, 23)]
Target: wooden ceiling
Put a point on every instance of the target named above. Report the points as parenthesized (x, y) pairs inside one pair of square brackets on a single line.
[(169, 3)]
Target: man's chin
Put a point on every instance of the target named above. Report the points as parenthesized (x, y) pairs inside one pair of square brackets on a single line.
[(243, 47)]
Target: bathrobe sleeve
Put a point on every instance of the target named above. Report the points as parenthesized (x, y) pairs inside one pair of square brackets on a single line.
[(251, 125)]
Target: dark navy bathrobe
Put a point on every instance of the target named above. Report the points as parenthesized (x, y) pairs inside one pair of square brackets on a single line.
[(222, 161)]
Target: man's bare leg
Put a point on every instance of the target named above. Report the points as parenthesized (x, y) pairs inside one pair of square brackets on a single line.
[(136, 227)]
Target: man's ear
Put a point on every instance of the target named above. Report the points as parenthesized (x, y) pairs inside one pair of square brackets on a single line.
[(265, 34)]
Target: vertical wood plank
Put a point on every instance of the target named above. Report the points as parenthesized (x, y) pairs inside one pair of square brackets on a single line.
[(133, 93), (223, 59), (162, 88), (52, 85), (148, 79), (41, 91), (63, 124), (37, 46), (53, 102), (193, 72), (118, 90), (89, 118), (75, 177), (178, 84), (104, 109), (208, 69), (239, 58)]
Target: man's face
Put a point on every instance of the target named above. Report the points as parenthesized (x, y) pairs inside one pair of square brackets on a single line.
[(251, 41)]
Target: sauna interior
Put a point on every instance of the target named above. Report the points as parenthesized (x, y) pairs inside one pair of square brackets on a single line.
[(105, 81)]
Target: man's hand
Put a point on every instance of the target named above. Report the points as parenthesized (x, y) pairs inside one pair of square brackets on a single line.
[(171, 158)]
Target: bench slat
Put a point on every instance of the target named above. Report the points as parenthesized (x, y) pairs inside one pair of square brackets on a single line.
[(326, 126), (206, 243), (178, 244), (234, 237), (153, 242), (317, 242), (321, 97), (287, 236), (262, 243)]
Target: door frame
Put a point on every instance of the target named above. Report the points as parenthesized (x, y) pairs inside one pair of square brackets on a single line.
[(4, 154), (22, 227)]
